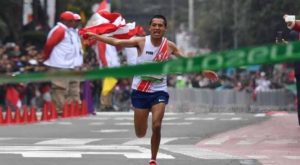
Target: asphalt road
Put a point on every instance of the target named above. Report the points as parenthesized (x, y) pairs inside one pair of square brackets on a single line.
[(109, 139)]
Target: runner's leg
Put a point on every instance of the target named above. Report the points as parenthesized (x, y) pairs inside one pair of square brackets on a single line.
[(158, 112), (141, 121)]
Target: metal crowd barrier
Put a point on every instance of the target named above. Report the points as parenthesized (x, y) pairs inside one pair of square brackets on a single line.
[(207, 100)]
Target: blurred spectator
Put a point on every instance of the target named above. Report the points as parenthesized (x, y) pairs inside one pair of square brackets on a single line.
[(195, 81), (171, 81), (181, 82), (203, 82), (262, 83), (225, 83), (60, 55), (107, 56)]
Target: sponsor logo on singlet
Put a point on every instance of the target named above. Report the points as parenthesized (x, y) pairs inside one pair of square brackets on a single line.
[(149, 53)]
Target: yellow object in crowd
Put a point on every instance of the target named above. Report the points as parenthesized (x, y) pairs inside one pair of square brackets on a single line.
[(108, 85)]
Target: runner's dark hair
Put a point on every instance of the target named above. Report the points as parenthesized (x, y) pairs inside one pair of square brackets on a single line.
[(159, 17)]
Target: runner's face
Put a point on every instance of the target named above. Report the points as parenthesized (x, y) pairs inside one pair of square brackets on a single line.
[(157, 28)]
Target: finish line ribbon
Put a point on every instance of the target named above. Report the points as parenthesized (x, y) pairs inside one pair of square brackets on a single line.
[(269, 54)]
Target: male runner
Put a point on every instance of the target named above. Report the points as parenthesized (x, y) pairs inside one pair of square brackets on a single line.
[(149, 93)]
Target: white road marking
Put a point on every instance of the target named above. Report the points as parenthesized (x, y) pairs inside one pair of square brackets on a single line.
[(217, 141), (48, 154), (97, 123), (232, 119), (124, 118), (248, 141), (111, 130), (292, 157), (225, 114), (258, 157), (67, 141), (260, 115), (190, 113), (236, 118), (96, 118), (172, 113), (109, 115), (170, 118), (282, 141), (125, 124), (177, 124), (114, 114), (195, 152), (200, 118), (6, 138), (131, 152), (146, 141)]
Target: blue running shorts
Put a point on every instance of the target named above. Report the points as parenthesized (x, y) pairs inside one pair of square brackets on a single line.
[(144, 100)]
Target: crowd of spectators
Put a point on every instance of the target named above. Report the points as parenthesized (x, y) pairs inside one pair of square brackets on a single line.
[(263, 78)]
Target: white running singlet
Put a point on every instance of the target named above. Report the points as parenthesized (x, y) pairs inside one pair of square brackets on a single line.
[(152, 54)]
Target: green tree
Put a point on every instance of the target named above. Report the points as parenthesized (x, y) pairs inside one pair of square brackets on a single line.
[(224, 24)]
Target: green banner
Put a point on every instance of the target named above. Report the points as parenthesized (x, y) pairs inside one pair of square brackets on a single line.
[(269, 54)]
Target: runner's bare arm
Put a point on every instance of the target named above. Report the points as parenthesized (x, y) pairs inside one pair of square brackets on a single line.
[(133, 42), (178, 53), (175, 50)]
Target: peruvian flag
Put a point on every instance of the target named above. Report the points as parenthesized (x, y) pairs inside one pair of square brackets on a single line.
[(103, 6), (112, 24)]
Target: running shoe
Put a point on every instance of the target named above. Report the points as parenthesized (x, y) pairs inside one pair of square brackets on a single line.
[(152, 162)]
